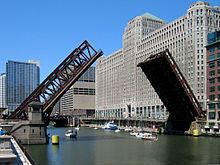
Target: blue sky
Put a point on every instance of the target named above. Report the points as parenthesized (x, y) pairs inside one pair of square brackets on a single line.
[(48, 30)]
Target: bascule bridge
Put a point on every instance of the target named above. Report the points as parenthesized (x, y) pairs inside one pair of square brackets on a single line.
[(35, 110), (173, 90)]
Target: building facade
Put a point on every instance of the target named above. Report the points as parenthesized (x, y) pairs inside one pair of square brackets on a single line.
[(213, 77), (2, 90), (185, 37), (79, 100), (21, 79)]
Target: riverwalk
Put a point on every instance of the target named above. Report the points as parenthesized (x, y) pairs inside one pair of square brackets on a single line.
[(12, 153)]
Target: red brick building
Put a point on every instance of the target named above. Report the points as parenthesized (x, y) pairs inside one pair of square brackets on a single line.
[(213, 77)]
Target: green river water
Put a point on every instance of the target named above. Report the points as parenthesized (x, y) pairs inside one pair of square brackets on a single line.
[(99, 147)]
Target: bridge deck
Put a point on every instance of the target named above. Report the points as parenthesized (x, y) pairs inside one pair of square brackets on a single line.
[(173, 90)]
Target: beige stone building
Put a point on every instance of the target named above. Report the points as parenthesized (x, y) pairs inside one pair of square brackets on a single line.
[(79, 100)]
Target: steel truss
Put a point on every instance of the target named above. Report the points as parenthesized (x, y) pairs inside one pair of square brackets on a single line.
[(60, 80)]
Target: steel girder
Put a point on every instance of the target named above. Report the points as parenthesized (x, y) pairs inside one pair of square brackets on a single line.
[(60, 80)]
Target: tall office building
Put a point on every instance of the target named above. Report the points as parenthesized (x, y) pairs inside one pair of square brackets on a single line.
[(79, 100), (185, 37), (213, 77), (2, 90), (21, 79)]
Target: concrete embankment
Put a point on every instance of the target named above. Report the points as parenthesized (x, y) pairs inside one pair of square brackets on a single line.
[(11, 152)]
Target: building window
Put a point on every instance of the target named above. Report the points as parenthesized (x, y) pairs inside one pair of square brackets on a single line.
[(218, 88), (212, 97), (212, 64), (211, 57), (212, 89), (211, 73), (84, 91), (218, 63), (212, 80), (211, 50), (211, 115)]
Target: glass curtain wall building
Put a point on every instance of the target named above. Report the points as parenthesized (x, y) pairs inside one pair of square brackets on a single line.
[(21, 79)]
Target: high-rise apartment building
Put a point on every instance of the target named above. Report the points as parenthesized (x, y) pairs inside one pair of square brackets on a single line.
[(186, 38), (2, 90), (79, 100), (213, 77), (21, 79)]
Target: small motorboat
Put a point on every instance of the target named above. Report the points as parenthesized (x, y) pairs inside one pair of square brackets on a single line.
[(95, 128), (128, 129), (77, 128), (133, 133), (117, 130), (71, 134), (110, 126), (139, 135), (149, 136)]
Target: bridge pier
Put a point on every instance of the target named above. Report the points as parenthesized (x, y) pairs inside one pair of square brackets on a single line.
[(34, 130)]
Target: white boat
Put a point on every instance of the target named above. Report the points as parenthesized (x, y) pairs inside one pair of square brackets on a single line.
[(69, 132), (77, 128), (149, 136), (110, 126), (117, 130), (95, 128), (128, 129), (139, 135), (133, 133)]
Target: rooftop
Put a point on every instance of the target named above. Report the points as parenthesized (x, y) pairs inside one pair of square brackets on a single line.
[(150, 16)]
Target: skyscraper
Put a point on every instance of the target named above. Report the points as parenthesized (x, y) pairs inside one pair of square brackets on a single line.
[(2, 90), (21, 79)]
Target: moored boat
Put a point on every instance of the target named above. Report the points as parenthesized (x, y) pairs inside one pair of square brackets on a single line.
[(128, 129), (133, 133), (117, 130), (139, 135), (149, 136), (110, 126)]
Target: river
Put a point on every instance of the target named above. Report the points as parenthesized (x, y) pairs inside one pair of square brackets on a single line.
[(99, 147)]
